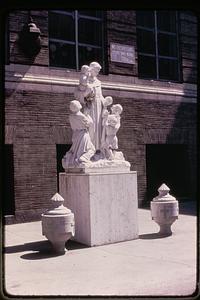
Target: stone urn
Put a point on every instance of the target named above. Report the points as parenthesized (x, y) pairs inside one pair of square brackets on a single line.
[(164, 210), (58, 224)]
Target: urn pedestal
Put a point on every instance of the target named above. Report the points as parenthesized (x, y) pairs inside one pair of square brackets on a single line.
[(164, 210), (58, 224)]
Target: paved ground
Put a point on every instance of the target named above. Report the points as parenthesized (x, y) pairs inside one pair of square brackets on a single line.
[(147, 266)]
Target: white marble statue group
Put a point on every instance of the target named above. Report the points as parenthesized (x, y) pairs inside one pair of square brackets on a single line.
[(94, 128)]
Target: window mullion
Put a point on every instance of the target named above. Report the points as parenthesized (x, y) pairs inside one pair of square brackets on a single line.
[(61, 41), (178, 46), (156, 44), (89, 18), (145, 28), (103, 41), (156, 41), (76, 39)]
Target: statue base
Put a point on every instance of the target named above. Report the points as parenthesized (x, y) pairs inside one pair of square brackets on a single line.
[(99, 166), (104, 204)]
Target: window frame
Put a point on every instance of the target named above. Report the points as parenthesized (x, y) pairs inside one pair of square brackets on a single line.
[(157, 31), (76, 15)]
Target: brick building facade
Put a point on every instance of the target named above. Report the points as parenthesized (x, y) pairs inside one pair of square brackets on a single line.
[(158, 126)]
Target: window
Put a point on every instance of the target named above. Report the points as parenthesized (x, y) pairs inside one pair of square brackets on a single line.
[(75, 38), (157, 42)]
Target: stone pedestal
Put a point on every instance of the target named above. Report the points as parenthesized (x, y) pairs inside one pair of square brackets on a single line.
[(104, 205)]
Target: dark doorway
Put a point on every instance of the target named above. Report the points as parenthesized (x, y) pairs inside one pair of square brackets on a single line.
[(169, 164), (61, 149), (8, 181)]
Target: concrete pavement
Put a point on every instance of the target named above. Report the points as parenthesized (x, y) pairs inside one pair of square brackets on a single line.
[(148, 266)]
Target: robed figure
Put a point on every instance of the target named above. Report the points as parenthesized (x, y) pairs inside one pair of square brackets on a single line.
[(92, 99), (82, 148)]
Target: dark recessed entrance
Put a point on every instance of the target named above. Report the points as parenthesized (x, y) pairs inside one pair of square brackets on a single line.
[(167, 164), (61, 149), (8, 181)]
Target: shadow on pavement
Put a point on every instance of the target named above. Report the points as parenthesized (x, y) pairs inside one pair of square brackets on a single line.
[(34, 246), (43, 249), (151, 236), (40, 255)]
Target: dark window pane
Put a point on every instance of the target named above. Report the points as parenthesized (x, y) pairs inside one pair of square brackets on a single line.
[(91, 13), (147, 66), (146, 41), (168, 69), (90, 32), (61, 26), (88, 54), (62, 55), (167, 45), (166, 20), (145, 18), (62, 52)]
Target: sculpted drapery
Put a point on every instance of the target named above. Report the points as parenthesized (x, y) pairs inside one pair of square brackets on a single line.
[(94, 140), (92, 100)]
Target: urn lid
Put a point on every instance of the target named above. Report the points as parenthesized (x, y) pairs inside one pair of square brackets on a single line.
[(164, 195), (59, 208), (163, 188)]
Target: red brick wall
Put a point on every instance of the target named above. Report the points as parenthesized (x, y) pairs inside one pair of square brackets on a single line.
[(188, 45), (35, 126), (36, 121), (156, 122)]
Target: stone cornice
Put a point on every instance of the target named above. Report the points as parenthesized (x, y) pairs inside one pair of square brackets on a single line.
[(110, 84)]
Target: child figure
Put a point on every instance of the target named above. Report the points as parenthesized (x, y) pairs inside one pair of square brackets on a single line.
[(107, 101), (117, 110), (83, 80), (112, 125), (111, 140), (84, 90)]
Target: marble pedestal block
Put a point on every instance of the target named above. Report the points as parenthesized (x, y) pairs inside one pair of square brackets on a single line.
[(104, 205)]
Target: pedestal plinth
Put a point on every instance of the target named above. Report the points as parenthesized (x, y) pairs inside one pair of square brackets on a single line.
[(104, 205)]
